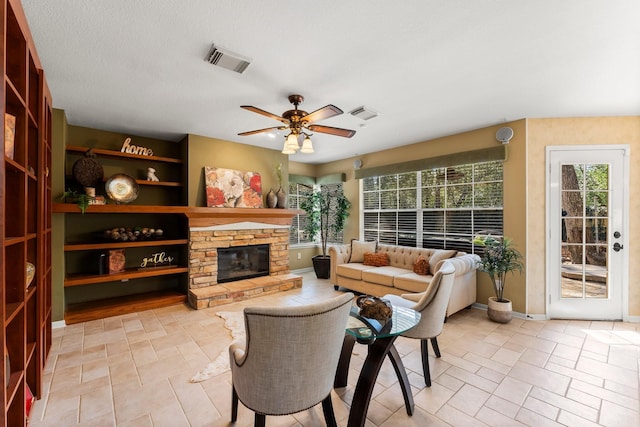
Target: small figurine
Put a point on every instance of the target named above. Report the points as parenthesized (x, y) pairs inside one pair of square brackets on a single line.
[(151, 175)]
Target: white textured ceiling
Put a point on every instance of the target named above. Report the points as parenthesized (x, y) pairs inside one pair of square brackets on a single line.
[(431, 68)]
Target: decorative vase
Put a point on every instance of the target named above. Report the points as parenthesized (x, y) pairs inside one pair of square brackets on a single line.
[(272, 199), (282, 198), (499, 311), (30, 271)]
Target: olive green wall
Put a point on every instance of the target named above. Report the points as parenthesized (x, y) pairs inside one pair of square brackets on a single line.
[(576, 131), (514, 189), (203, 151), (58, 142)]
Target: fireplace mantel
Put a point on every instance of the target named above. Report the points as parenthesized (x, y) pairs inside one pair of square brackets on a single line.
[(208, 217)]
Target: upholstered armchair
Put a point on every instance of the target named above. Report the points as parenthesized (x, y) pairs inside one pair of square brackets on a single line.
[(290, 357), (432, 304)]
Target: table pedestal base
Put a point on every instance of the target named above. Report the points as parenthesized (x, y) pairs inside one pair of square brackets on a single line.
[(377, 351)]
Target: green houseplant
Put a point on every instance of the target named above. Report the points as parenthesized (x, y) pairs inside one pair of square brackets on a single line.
[(326, 213), (498, 258), (72, 196)]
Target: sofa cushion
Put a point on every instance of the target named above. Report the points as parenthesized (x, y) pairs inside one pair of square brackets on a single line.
[(382, 275), (358, 249), (437, 256), (412, 282), (421, 266), (352, 270), (377, 259)]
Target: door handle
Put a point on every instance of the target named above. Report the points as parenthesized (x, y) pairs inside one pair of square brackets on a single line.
[(617, 246)]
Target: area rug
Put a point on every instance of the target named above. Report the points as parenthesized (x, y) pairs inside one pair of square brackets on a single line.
[(234, 322)]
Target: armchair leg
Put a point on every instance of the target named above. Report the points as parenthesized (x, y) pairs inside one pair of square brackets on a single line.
[(259, 420), (329, 415), (234, 404), (434, 344), (425, 361)]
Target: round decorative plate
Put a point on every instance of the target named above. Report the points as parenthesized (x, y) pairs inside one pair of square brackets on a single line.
[(122, 188)]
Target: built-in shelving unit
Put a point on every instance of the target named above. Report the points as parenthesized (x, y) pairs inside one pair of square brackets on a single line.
[(26, 216), (90, 291)]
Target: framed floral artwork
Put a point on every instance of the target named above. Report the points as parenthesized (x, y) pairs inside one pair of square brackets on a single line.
[(228, 188)]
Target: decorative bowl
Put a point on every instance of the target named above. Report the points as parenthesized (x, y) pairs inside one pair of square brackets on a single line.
[(30, 273), (122, 188)]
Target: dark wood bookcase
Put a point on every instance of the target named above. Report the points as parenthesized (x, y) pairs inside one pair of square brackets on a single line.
[(26, 215)]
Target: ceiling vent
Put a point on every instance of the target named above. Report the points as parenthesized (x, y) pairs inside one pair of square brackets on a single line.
[(364, 113), (227, 59)]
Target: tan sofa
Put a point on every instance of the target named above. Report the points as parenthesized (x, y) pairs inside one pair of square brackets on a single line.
[(398, 278)]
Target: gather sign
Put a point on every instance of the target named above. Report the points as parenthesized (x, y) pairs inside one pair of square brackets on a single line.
[(128, 147)]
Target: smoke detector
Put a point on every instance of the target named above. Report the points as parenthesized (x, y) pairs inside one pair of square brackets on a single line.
[(226, 59), (364, 113)]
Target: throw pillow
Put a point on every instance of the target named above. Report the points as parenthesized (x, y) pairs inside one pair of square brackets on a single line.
[(358, 249), (438, 256), (421, 266), (378, 259)]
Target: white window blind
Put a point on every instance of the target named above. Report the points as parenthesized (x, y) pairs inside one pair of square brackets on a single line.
[(436, 208)]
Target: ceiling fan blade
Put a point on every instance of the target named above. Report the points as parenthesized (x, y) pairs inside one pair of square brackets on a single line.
[(322, 113), (253, 132), (347, 133), (264, 113)]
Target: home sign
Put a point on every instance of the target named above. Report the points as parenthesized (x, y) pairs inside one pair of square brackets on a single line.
[(128, 147)]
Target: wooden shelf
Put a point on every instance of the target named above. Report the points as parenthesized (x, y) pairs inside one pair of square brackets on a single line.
[(117, 245), (11, 310), (86, 311), (124, 209), (113, 153), (79, 280)]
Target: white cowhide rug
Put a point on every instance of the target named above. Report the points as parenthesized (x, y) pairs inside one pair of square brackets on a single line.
[(234, 321)]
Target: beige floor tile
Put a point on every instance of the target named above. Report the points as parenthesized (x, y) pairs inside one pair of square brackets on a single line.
[(513, 390), (562, 402), (615, 415), (469, 399), (496, 419), (134, 371)]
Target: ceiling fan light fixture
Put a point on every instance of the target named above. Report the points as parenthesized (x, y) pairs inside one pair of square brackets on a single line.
[(286, 149), (292, 142), (307, 145)]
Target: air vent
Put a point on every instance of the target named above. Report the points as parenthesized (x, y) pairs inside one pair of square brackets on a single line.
[(364, 113), (227, 59)]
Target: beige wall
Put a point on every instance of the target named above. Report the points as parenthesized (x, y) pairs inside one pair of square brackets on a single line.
[(576, 131), (514, 184)]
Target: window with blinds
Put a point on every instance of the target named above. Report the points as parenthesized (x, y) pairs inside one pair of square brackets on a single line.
[(297, 191), (297, 235), (437, 208)]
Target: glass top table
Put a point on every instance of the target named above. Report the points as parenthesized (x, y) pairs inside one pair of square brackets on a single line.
[(379, 339), (402, 319)]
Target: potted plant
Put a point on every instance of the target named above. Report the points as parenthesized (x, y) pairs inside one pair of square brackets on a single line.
[(72, 196), (319, 206), (498, 258)]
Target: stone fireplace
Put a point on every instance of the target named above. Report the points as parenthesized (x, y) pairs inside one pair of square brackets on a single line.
[(213, 231)]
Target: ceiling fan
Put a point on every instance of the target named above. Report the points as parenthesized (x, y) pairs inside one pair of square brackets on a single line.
[(299, 121)]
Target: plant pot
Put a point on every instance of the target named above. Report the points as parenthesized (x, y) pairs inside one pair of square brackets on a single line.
[(322, 266), (500, 312)]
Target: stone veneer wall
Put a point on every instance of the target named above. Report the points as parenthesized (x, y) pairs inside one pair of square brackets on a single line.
[(203, 251)]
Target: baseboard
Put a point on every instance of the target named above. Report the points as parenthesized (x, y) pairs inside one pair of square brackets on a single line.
[(515, 313), (302, 270), (634, 319), (58, 324)]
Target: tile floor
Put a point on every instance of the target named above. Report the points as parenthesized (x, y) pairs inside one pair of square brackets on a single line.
[(134, 370)]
